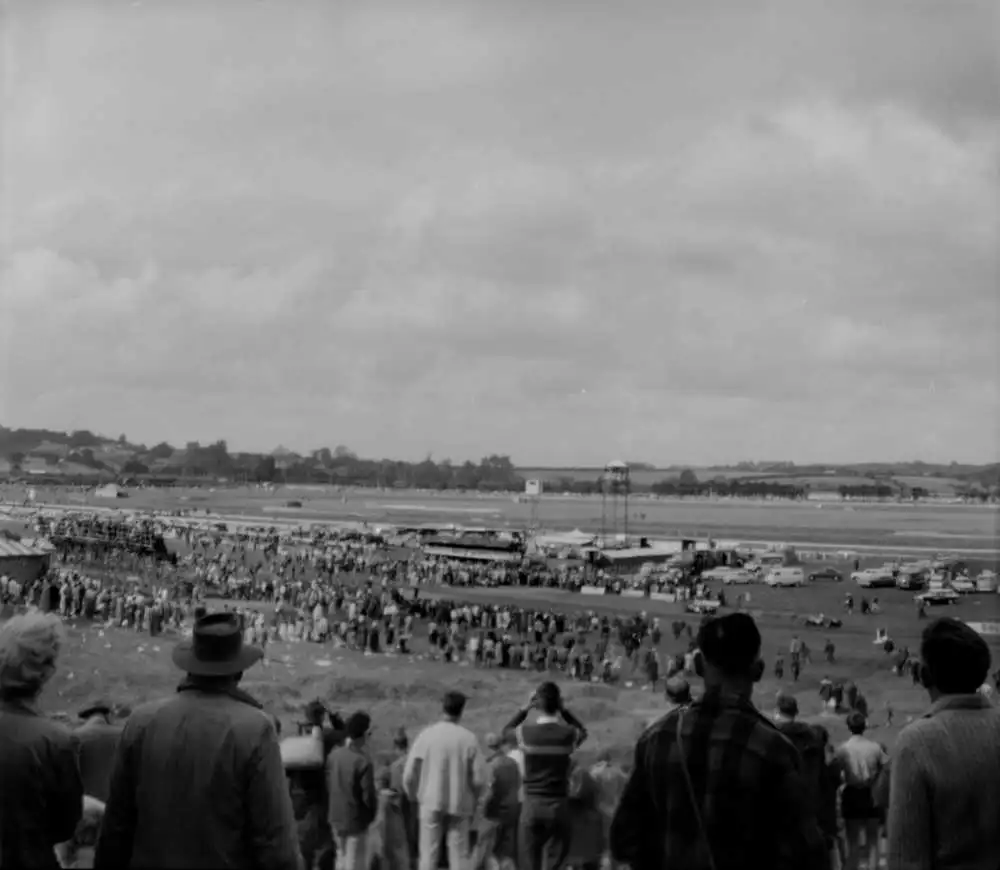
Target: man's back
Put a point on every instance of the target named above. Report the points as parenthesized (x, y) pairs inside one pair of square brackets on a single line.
[(199, 782), (548, 749), (449, 769), (945, 794), (729, 773), (351, 784)]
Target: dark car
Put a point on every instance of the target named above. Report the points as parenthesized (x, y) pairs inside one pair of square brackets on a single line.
[(831, 574)]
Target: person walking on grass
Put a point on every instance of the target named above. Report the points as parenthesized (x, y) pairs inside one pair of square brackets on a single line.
[(944, 783), (198, 779)]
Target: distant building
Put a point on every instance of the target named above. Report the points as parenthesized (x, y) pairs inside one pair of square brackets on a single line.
[(21, 562)]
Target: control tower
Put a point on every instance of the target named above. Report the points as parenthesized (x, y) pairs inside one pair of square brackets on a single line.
[(615, 485)]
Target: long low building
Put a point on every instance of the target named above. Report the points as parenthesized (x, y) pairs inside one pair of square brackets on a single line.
[(21, 562)]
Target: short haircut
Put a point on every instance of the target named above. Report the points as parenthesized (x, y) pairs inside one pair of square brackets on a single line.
[(856, 722), (731, 643), (29, 650), (358, 725), (549, 698), (454, 704), (957, 659)]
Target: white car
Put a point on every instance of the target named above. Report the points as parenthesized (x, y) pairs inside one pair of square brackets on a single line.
[(874, 579), (963, 585), (702, 606), (739, 578)]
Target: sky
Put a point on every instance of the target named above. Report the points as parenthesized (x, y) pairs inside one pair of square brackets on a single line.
[(698, 231)]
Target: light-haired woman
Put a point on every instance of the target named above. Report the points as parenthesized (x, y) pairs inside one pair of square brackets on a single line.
[(41, 793)]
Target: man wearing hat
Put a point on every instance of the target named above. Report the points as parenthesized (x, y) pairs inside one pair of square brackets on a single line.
[(198, 779), (96, 742)]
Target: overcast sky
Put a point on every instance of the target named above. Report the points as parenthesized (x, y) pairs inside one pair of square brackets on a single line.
[(571, 231)]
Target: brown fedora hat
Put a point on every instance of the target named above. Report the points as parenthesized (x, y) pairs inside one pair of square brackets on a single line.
[(216, 648)]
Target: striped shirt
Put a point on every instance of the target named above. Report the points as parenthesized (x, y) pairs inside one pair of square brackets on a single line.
[(548, 746)]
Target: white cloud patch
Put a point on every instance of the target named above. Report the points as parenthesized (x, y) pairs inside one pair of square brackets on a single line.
[(431, 232)]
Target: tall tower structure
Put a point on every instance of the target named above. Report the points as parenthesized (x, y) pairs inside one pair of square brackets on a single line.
[(615, 485)]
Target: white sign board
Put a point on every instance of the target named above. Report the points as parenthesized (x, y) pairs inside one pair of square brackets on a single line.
[(533, 488), (990, 628)]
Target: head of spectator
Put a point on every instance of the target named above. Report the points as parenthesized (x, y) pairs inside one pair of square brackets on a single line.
[(453, 706), (29, 653), (509, 739), (728, 658), (856, 723), (678, 691), (401, 743), (956, 660), (494, 742), (358, 726), (548, 699), (315, 713), (215, 652), (787, 708)]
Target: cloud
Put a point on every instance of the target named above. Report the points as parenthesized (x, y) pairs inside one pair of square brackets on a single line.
[(566, 237)]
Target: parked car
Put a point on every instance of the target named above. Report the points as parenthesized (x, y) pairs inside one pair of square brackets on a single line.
[(826, 573), (912, 581), (702, 606), (739, 578), (785, 577), (874, 579), (938, 596), (717, 573), (963, 585)]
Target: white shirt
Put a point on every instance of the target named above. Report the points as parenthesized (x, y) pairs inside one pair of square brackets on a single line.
[(445, 771)]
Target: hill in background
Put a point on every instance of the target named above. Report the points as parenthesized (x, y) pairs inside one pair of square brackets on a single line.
[(83, 456)]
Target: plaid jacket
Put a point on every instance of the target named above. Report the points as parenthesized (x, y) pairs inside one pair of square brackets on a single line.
[(745, 777)]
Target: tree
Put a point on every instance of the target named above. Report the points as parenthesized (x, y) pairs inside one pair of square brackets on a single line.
[(122, 440), (161, 451), (688, 478), (265, 470), (342, 452)]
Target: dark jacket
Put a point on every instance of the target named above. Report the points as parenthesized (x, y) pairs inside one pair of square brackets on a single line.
[(41, 795), (806, 739), (198, 782), (97, 742), (350, 779)]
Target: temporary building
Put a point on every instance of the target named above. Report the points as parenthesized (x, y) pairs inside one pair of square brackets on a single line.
[(21, 562), (110, 490)]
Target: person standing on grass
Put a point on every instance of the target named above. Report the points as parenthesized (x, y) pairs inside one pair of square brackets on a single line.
[(862, 761), (548, 744), (353, 800), (715, 784), (198, 779), (41, 791), (445, 776), (944, 788)]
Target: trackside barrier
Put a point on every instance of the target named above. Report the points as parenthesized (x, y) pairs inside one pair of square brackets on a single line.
[(633, 593), (667, 597), (592, 590)]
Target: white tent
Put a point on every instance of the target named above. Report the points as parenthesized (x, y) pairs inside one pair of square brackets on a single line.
[(110, 490)]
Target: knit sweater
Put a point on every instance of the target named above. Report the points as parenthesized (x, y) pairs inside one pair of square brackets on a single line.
[(944, 802)]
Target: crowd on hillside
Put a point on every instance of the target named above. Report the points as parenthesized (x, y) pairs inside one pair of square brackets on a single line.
[(203, 779)]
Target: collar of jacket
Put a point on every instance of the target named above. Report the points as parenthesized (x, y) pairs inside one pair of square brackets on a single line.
[(957, 702), (237, 694)]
